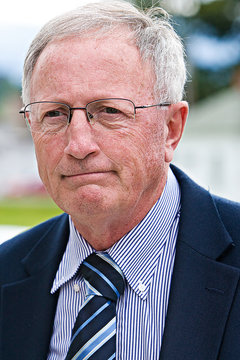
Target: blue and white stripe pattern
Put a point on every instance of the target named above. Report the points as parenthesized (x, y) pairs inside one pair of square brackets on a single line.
[(94, 333), (146, 257)]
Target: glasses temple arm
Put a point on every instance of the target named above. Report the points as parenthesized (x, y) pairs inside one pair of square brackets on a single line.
[(149, 106)]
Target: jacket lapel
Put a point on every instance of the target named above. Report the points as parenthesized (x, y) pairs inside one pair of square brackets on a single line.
[(202, 287), (201, 296), (25, 336)]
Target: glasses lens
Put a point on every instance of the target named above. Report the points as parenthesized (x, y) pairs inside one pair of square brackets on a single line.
[(47, 117), (110, 112)]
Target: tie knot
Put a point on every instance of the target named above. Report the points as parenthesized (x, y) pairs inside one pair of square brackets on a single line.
[(104, 275)]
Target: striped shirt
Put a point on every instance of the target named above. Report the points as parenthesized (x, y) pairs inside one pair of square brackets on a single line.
[(146, 256)]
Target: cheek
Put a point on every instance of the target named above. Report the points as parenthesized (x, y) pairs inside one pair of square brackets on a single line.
[(148, 141), (48, 153), (151, 153), (126, 147), (139, 151)]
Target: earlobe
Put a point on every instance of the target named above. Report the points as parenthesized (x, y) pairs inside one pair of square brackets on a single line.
[(175, 125)]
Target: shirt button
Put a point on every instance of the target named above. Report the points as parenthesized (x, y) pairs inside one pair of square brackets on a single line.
[(141, 286), (76, 287)]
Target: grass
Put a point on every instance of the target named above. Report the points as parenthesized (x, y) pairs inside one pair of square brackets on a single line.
[(27, 211)]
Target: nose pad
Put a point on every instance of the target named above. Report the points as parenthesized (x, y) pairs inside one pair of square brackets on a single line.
[(90, 118), (70, 117)]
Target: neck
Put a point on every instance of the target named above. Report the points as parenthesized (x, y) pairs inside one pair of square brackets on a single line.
[(104, 229), (102, 235)]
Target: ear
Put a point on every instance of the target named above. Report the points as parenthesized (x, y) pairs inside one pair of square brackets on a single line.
[(175, 123)]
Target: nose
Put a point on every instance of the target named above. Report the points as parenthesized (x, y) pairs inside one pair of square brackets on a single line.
[(81, 141)]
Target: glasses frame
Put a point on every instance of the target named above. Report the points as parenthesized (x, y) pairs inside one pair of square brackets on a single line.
[(23, 110)]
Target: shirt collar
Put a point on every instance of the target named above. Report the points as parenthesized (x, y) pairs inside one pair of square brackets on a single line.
[(137, 253), (77, 250)]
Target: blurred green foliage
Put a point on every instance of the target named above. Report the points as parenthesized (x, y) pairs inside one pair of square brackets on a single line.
[(7, 88), (220, 15), (223, 15), (208, 18)]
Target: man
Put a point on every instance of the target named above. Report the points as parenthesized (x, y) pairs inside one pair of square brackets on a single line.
[(103, 89)]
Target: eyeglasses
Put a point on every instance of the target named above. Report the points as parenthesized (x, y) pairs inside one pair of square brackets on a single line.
[(54, 117)]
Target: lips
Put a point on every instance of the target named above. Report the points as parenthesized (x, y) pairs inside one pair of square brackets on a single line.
[(85, 173), (78, 179)]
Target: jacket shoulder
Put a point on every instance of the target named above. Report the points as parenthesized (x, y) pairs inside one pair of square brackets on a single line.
[(229, 212), (15, 249), (216, 215)]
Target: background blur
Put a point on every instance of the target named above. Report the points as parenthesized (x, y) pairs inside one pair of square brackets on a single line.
[(210, 148)]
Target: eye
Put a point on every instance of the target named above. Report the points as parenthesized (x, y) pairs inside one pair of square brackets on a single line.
[(54, 120), (111, 110), (54, 114)]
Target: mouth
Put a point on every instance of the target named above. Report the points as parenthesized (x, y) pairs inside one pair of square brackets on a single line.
[(84, 173), (87, 177)]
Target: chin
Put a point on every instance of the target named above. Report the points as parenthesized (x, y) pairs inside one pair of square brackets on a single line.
[(89, 200)]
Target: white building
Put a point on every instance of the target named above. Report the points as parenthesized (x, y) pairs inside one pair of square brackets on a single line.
[(210, 149)]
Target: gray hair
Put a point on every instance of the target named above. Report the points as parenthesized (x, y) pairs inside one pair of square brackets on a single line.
[(152, 32)]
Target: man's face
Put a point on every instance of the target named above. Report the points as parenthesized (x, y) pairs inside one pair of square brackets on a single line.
[(115, 173)]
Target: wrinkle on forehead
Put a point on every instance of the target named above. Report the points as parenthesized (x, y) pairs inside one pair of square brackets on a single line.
[(96, 35), (110, 60)]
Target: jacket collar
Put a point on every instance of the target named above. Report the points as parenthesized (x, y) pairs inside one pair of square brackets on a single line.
[(200, 224), (50, 246)]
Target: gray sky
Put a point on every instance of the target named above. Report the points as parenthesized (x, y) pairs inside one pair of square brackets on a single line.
[(19, 23), (28, 12)]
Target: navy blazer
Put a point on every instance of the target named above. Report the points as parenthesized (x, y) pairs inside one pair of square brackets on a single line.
[(203, 318)]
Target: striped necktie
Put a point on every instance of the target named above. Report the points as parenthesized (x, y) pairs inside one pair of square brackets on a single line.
[(94, 332)]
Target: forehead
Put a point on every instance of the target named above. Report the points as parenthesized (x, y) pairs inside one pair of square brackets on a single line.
[(113, 60)]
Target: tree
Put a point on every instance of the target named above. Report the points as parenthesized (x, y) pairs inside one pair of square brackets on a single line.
[(208, 19)]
